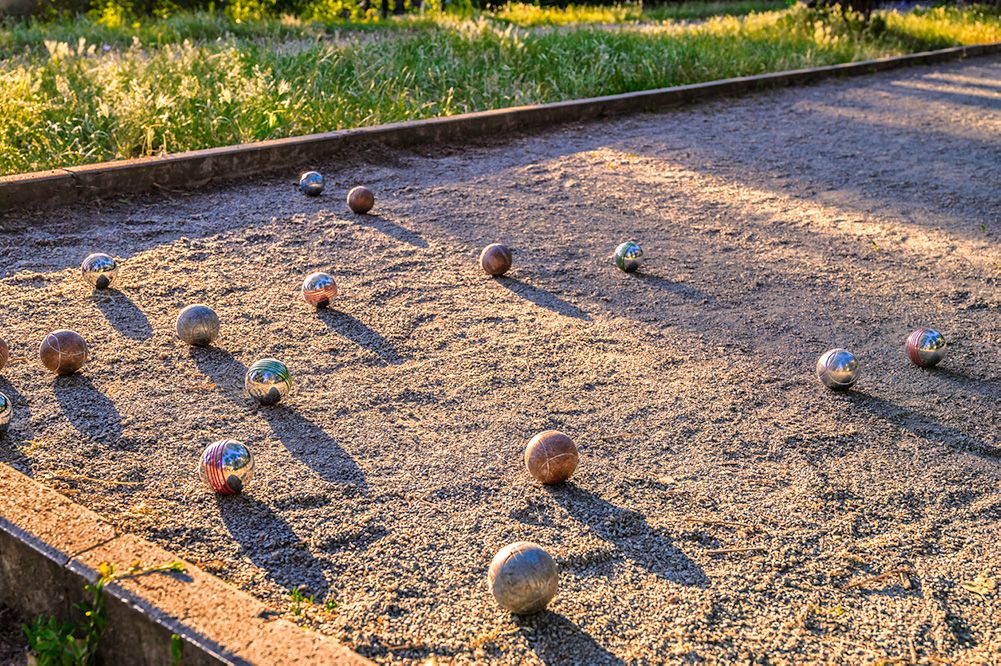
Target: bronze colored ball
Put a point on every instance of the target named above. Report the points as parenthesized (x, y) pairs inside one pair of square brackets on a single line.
[(523, 577), (4, 353), (63, 352), (361, 200), (551, 457), (495, 259)]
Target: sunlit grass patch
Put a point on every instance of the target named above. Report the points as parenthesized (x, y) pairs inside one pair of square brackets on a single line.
[(87, 92)]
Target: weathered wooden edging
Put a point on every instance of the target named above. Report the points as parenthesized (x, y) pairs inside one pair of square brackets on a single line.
[(198, 167), (50, 548)]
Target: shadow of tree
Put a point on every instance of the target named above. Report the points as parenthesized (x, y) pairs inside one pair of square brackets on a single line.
[(88, 410), (649, 547), (542, 298), (557, 640), (123, 314), (357, 332)]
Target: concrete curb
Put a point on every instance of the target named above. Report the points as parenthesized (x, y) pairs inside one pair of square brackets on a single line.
[(195, 168), (50, 548)]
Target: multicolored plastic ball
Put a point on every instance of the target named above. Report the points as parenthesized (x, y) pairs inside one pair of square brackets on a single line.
[(551, 457), (4, 353), (63, 352), (226, 466), (99, 270), (523, 577), (838, 369), (267, 381), (495, 259), (311, 183), (360, 200), (197, 325), (925, 347), (6, 412), (318, 289), (628, 256)]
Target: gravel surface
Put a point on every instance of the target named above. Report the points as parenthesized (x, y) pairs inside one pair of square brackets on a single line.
[(726, 506)]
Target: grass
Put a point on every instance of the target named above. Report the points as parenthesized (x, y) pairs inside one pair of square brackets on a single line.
[(528, 16), (90, 90)]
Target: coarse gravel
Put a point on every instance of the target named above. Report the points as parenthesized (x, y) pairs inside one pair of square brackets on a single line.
[(726, 508)]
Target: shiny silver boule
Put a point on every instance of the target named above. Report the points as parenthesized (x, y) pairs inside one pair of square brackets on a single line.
[(837, 369), (523, 577), (99, 270), (226, 466), (311, 183), (6, 412), (925, 347), (197, 325), (267, 381), (318, 289), (628, 256)]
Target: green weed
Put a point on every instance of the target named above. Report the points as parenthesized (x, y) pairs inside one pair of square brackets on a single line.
[(52, 643)]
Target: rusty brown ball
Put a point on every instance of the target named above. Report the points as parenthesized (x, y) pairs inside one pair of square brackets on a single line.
[(495, 259), (551, 457), (4, 353), (63, 352), (360, 200)]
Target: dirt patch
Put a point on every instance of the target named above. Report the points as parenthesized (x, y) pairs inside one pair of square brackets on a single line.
[(726, 506)]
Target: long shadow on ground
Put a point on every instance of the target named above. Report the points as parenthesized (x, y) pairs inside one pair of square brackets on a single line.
[(679, 288), (557, 640), (357, 332), (923, 426), (649, 547), (303, 438), (88, 410), (123, 314), (18, 432), (271, 544), (391, 229), (542, 298)]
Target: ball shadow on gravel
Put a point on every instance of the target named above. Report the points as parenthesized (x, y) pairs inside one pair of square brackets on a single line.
[(679, 288), (314, 446), (271, 544), (123, 314), (649, 547), (965, 382), (300, 436), (923, 426), (542, 298), (557, 640), (391, 229), (19, 432), (88, 410), (357, 332)]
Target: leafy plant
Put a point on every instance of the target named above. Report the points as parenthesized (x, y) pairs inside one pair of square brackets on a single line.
[(299, 601), (64, 644)]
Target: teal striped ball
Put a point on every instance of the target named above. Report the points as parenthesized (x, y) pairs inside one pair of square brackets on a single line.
[(268, 381)]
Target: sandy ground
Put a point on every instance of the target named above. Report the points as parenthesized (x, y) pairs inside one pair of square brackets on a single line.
[(776, 227)]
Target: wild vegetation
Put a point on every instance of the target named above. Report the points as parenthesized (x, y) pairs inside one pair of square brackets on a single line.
[(111, 85)]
